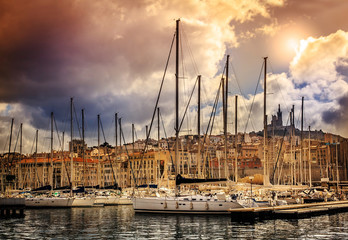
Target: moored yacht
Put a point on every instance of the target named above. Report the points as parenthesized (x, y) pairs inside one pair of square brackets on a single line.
[(195, 204), (43, 201)]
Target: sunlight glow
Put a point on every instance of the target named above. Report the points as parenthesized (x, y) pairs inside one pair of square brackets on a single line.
[(293, 44)]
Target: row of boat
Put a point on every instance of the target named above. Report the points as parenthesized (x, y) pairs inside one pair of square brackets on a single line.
[(58, 200), (221, 200)]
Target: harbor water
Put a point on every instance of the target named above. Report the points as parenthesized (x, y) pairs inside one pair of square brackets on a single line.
[(120, 222)]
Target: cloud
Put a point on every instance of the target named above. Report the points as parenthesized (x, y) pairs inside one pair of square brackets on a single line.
[(316, 58), (337, 116), (108, 55)]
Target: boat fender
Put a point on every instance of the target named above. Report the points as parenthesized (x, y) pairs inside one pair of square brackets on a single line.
[(165, 205), (176, 205), (191, 205), (206, 206)]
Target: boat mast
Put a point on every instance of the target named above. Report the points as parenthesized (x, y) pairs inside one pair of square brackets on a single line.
[(225, 115), (199, 127), (177, 100), (159, 128), (116, 142), (36, 173), (309, 156), (236, 142), (8, 170), (120, 126), (337, 171), (83, 147), (99, 170), (51, 162), (20, 156), (265, 170), (63, 162), (296, 173), (301, 146), (223, 120), (71, 148), (133, 146)]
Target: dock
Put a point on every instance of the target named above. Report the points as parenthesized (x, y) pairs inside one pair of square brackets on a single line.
[(12, 207), (293, 211)]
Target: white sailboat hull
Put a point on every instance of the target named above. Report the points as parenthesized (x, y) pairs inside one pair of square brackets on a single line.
[(83, 202), (183, 205), (125, 201), (48, 202), (107, 200)]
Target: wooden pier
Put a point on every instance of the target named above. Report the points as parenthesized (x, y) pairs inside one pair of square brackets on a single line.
[(12, 207), (294, 211)]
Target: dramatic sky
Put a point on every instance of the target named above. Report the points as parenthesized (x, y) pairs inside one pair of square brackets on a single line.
[(110, 56)]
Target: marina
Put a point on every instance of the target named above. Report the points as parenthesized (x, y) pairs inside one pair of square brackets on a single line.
[(120, 222), (173, 120)]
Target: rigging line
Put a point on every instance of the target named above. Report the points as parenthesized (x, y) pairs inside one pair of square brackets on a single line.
[(77, 120), (32, 147), (46, 138), (66, 120), (157, 100), (182, 59), (107, 152), (242, 93), (252, 103), (14, 150), (125, 146), (65, 165), (166, 137), (214, 115), (189, 49), (7, 139), (182, 120), (280, 90), (211, 115), (280, 149), (55, 123)]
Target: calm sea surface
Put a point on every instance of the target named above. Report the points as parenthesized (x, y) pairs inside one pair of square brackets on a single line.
[(120, 222)]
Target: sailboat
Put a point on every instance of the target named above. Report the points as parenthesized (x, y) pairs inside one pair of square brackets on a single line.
[(85, 200), (49, 200), (189, 204)]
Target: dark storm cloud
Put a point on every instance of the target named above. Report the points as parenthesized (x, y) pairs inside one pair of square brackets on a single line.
[(342, 67), (338, 117), (54, 50)]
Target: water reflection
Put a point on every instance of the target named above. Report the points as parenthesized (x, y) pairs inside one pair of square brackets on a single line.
[(120, 222)]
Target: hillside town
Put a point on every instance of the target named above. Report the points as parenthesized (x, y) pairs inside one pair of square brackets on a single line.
[(290, 159)]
